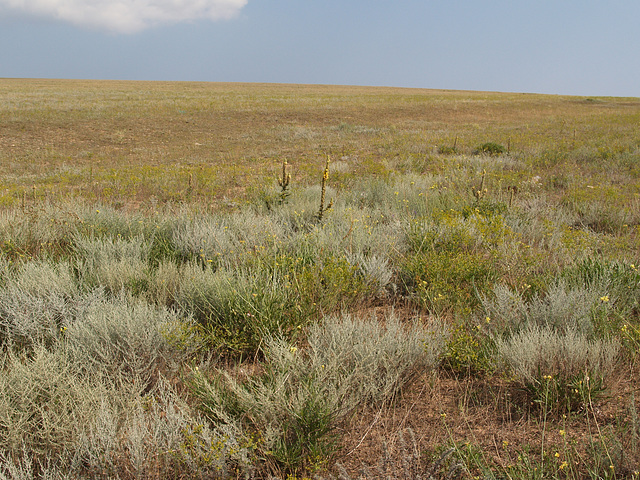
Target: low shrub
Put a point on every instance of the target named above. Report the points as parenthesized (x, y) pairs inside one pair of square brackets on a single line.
[(562, 370), (296, 405)]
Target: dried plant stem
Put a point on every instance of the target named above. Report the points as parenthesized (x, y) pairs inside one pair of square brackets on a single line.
[(325, 177)]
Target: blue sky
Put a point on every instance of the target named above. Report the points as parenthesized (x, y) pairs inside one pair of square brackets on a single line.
[(541, 46)]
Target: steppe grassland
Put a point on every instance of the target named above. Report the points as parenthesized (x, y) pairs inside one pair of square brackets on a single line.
[(167, 310)]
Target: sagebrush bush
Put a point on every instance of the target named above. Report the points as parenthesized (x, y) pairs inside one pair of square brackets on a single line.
[(376, 271), (44, 406), (560, 308), (44, 229), (156, 436), (226, 240), (114, 263), (37, 300), (121, 336), (561, 369), (551, 344), (302, 396)]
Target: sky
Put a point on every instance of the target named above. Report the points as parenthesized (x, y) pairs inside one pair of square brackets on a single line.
[(567, 47)]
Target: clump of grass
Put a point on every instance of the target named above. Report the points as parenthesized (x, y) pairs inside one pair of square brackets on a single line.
[(238, 308), (491, 148)]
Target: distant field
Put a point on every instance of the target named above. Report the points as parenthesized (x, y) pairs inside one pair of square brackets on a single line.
[(203, 280), (127, 142)]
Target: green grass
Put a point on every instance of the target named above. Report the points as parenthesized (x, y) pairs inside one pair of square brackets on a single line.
[(168, 309)]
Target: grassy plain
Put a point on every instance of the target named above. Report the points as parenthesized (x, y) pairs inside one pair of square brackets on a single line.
[(468, 307)]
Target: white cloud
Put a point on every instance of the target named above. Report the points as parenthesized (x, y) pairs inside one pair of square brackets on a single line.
[(126, 16)]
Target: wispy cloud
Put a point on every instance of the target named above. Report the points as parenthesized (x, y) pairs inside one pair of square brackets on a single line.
[(126, 16)]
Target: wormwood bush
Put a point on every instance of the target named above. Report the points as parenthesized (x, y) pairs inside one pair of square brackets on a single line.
[(164, 283), (354, 232), (563, 370), (387, 356), (97, 221), (223, 240), (47, 228), (302, 396), (560, 308), (36, 301), (113, 263), (121, 336), (377, 272), (550, 343), (445, 233), (155, 436), (43, 406)]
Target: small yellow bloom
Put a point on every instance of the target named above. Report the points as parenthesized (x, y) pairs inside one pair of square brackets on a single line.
[(563, 465), (562, 433), (604, 299), (293, 349), (557, 454)]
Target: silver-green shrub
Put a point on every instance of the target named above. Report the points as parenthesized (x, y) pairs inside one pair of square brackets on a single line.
[(37, 300), (156, 435), (562, 307), (43, 406), (367, 362), (302, 396), (542, 351), (224, 240), (113, 263), (550, 344), (120, 335)]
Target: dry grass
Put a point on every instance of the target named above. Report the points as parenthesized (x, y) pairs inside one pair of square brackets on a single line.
[(109, 186), (129, 143)]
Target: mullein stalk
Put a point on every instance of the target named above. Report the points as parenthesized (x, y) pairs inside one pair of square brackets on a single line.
[(325, 177)]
